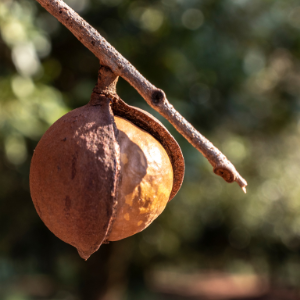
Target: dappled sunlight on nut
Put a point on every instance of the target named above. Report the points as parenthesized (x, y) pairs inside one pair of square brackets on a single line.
[(146, 180)]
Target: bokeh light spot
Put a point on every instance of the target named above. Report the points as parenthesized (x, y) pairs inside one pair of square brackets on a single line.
[(78, 5), (192, 18), (42, 45), (271, 190), (21, 86), (235, 149), (254, 61), (151, 19), (25, 59), (13, 32), (15, 149), (294, 17)]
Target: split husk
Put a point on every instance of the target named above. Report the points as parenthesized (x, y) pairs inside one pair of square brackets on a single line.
[(76, 170)]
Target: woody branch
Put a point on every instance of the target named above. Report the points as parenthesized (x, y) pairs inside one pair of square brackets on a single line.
[(155, 97)]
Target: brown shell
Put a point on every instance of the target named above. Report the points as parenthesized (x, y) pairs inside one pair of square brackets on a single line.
[(146, 180), (153, 126), (75, 164)]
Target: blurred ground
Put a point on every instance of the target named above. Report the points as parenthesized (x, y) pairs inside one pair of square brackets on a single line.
[(218, 286)]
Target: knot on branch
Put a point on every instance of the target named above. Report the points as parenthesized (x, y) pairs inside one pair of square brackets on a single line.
[(225, 173), (157, 97)]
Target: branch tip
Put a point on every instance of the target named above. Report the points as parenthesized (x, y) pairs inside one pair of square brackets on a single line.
[(242, 183)]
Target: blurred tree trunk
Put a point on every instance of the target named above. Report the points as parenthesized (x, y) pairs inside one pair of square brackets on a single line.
[(105, 274)]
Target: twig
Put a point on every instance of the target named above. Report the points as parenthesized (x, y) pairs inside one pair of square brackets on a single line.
[(155, 97)]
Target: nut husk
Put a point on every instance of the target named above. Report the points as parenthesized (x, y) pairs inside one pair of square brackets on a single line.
[(76, 167), (76, 171), (75, 162), (146, 121), (146, 181)]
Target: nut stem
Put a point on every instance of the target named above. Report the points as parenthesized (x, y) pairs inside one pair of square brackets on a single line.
[(155, 97)]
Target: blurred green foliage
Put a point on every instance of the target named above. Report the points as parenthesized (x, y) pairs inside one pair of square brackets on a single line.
[(232, 68)]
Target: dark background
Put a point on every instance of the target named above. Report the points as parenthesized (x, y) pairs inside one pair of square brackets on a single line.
[(230, 67)]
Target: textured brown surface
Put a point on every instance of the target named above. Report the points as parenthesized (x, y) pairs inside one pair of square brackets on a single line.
[(73, 176), (146, 180), (151, 125)]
